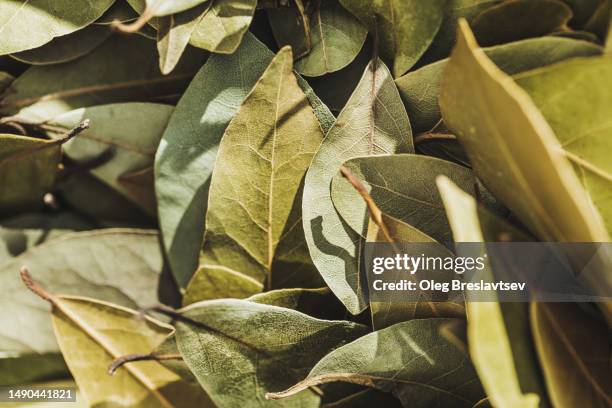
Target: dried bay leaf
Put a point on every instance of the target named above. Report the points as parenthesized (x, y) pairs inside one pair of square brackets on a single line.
[(253, 228), (373, 122), (336, 37), (221, 27), (583, 129), (117, 265), (112, 73), (189, 146), (131, 130), (28, 170), (252, 349), (574, 351), (405, 28), (383, 228), (514, 149), (27, 24), (66, 48), (420, 89), (499, 335), (173, 34), (345, 80), (403, 186), (410, 359), (515, 20), (91, 334)]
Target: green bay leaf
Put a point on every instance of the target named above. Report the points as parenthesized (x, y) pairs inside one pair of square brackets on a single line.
[(403, 186), (406, 28), (420, 89), (253, 223), (411, 360), (579, 117), (131, 130), (373, 122), (336, 37), (499, 335), (27, 24), (111, 73), (253, 349)]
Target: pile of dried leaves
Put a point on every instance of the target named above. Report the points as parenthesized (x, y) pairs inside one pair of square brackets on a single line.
[(189, 184)]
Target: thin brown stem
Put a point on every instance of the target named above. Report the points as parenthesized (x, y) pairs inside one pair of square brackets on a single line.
[(424, 137), (375, 212), (130, 358), (35, 287), (134, 26)]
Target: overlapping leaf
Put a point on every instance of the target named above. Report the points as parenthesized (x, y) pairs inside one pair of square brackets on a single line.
[(518, 140), (189, 146), (519, 19), (131, 131), (411, 360), (66, 48), (112, 73), (104, 264), (27, 24), (332, 41), (373, 122), (253, 225), (222, 26), (405, 28), (499, 335), (527, 156), (404, 187), (420, 89), (91, 334), (250, 349), (584, 130)]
